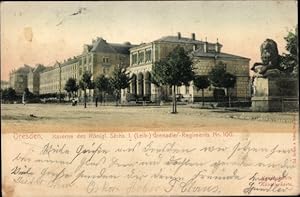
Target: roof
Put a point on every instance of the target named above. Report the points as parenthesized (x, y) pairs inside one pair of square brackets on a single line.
[(23, 69), (199, 53), (179, 40), (100, 45), (122, 48), (69, 61), (38, 68), (175, 39), (48, 68)]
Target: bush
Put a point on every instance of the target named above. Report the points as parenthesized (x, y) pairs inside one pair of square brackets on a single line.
[(219, 95)]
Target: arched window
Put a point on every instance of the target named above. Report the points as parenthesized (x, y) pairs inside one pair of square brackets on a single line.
[(147, 84), (140, 84), (133, 84)]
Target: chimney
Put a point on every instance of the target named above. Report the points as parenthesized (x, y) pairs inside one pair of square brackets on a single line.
[(217, 46), (179, 35), (205, 45), (193, 36)]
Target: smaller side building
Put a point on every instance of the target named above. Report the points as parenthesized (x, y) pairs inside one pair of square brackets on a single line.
[(4, 85), (205, 61), (18, 79)]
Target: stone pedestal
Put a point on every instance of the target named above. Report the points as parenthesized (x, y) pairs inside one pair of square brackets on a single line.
[(266, 95)]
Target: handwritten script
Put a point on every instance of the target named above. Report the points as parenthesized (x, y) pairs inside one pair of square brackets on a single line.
[(141, 164)]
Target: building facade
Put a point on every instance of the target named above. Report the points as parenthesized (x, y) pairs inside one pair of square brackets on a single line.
[(50, 80), (33, 79), (203, 63), (99, 57), (69, 69), (18, 79), (204, 55), (4, 84)]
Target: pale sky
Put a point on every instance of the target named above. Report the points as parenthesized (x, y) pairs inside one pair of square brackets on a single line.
[(43, 32)]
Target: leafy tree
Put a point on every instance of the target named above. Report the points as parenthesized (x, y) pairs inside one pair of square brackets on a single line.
[(28, 94), (86, 83), (9, 94), (103, 84), (176, 69), (290, 61), (201, 83), (71, 86), (219, 77), (119, 80)]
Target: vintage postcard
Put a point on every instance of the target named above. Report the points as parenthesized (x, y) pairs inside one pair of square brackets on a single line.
[(149, 98)]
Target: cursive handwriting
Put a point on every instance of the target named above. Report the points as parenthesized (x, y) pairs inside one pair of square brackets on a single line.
[(152, 167)]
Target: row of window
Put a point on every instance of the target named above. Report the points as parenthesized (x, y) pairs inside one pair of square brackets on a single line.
[(85, 60), (141, 57), (105, 59)]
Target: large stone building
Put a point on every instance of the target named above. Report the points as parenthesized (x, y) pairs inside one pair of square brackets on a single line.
[(69, 69), (102, 57), (99, 57), (205, 56), (33, 79), (50, 80), (18, 79)]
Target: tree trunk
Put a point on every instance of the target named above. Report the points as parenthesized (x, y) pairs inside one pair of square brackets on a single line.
[(202, 97), (174, 110), (229, 97), (175, 105), (104, 98), (84, 98), (117, 98), (96, 101)]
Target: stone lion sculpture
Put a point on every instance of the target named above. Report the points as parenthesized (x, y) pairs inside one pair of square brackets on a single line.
[(271, 60)]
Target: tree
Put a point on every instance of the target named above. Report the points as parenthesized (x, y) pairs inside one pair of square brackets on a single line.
[(86, 83), (103, 84), (9, 94), (219, 77), (29, 95), (71, 86), (290, 61), (201, 83), (119, 80), (176, 69)]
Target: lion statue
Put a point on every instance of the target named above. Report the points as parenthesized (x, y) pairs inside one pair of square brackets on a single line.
[(271, 60)]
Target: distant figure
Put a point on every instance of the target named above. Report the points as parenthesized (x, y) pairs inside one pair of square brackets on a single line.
[(74, 102), (24, 98)]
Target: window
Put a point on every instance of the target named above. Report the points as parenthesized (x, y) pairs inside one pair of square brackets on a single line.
[(134, 59), (105, 59), (187, 90), (141, 57), (105, 70), (148, 55)]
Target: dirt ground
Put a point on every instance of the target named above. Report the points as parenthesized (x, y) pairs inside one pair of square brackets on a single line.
[(67, 118)]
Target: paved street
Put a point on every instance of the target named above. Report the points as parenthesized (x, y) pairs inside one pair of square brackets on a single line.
[(66, 118)]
